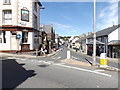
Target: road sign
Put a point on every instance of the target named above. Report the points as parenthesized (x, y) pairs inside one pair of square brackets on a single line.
[(19, 36)]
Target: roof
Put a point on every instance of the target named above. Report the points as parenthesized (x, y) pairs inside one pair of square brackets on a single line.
[(105, 32), (114, 42), (47, 28), (97, 42)]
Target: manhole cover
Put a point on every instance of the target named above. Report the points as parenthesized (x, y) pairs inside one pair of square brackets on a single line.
[(43, 65)]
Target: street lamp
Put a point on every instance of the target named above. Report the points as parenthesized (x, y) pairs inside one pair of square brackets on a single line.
[(94, 37), (42, 7)]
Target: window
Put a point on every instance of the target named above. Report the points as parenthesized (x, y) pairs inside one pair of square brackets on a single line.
[(24, 37), (7, 1), (35, 6), (0, 40), (7, 17), (35, 22), (13, 33), (2, 37)]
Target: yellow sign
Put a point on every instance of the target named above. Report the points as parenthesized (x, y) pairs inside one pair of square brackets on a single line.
[(103, 61)]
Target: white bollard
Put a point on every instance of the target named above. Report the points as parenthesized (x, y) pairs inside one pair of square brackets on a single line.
[(68, 54)]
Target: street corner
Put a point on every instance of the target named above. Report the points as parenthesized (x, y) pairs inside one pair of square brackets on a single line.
[(75, 62), (52, 54)]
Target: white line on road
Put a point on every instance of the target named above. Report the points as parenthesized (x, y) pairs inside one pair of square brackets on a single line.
[(81, 69), (99, 70), (74, 57), (23, 59), (98, 86), (56, 58)]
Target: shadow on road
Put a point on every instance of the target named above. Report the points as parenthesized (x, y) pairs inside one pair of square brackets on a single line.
[(13, 74)]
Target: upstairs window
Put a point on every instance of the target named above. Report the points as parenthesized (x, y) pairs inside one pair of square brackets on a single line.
[(7, 17), (35, 6), (35, 21), (7, 1)]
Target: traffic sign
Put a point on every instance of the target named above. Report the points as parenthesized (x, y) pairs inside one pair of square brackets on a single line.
[(19, 36)]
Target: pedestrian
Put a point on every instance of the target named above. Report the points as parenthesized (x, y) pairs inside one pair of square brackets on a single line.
[(39, 51), (76, 49)]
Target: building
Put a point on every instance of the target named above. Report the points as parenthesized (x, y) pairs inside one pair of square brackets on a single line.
[(114, 43), (57, 40), (107, 40), (19, 25), (50, 35)]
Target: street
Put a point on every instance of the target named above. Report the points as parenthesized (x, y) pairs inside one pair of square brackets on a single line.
[(49, 72)]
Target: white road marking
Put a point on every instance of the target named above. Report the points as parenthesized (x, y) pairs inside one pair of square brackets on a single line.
[(58, 57), (81, 69), (11, 57), (17, 58), (74, 57), (99, 70), (98, 86), (23, 59), (50, 62)]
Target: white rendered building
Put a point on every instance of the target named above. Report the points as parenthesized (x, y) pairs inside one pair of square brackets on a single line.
[(19, 25)]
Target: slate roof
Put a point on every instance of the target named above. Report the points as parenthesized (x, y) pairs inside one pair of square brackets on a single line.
[(104, 32), (47, 28)]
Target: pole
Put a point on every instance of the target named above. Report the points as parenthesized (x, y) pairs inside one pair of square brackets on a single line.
[(68, 55), (94, 37)]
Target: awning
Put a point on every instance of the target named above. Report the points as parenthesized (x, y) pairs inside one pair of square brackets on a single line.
[(97, 42), (114, 42)]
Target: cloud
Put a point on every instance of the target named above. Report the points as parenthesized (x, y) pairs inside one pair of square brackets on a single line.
[(65, 29), (66, 17), (107, 16)]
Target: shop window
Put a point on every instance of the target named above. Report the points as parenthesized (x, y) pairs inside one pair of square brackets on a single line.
[(0, 36), (0, 40), (24, 37)]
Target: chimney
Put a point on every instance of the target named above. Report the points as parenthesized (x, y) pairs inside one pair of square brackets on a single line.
[(89, 33), (83, 35)]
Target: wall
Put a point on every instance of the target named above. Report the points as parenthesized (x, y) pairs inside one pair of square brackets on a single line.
[(114, 35), (6, 46), (16, 6)]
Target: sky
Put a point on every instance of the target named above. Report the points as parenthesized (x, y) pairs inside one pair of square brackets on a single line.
[(76, 18)]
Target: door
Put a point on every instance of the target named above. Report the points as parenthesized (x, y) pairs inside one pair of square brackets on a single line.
[(14, 43)]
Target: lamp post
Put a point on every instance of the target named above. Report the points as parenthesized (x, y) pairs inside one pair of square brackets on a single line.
[(94, 37)]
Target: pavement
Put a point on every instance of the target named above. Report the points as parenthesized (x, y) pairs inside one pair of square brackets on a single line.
[(26, 54), (110, 59)]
